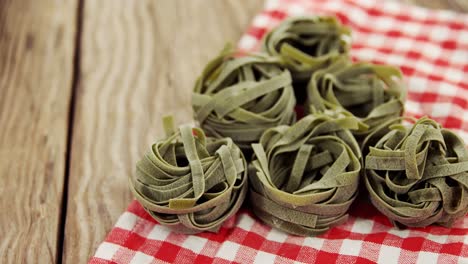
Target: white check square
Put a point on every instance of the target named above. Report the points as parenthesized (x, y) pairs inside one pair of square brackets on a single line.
[(141, 258), (351, 247), (362, 226), (425, 257), (126, 221), (159, 232), (228, 251), (276, 235), (195, 243), (106, 251), (264, 257), (388, 255)]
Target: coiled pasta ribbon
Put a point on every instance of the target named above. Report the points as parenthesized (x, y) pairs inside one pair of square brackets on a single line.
[(306, 44), (417, 175), (242, 97), (373, 94), (190, 182), (304, 177)]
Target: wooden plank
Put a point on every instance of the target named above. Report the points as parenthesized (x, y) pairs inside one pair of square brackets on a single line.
[(37, 40), (139, 61), (455, 5)]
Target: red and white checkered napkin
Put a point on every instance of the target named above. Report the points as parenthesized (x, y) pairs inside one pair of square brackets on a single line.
[(431, 48)]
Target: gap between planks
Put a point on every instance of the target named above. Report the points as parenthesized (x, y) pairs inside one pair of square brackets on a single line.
[(71, 118)]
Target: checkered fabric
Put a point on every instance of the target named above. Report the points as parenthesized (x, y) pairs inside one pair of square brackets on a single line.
[(431, 48)]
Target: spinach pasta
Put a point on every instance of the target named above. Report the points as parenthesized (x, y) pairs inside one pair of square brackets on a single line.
[(241, 97), (304, 177), (417, 175), (373, 94), (306, 44), (190, 182)]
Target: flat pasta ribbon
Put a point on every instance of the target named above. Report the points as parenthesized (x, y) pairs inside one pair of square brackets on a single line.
[(417, 175), (190, 182), (304, 177), (241, 97), (306, 44), (373, 94)]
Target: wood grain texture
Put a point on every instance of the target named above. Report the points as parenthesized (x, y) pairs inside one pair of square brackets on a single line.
[(36, 65), (139, 60), (455, 5)]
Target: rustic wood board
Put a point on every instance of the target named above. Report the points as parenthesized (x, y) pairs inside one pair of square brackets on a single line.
[(455, 5), (137, 61), (36, 68)]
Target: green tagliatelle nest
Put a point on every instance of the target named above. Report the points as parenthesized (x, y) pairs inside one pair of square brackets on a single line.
[(242, 97), (373, 94), (304, 177), (306, 44), (190, 182), (417, 175)]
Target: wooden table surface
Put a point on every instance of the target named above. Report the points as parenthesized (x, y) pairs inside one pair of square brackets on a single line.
[(83, 86)]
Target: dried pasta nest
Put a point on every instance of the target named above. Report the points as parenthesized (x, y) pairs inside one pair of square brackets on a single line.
[(417, 175), (304, 177), (190, 182), (306, 44), (241, 97), (373, 94)]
